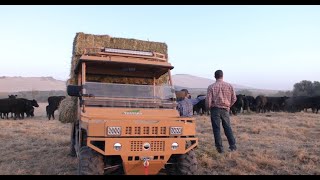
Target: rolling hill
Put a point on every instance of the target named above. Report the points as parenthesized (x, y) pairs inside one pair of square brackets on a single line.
[(194, 84), (16, 84), (190, 81)]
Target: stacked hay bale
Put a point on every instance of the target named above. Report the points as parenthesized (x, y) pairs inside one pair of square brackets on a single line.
[(82, 41), (68, 107)]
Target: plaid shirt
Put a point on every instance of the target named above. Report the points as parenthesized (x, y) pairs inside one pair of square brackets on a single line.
[(220, 94), (185, 107)]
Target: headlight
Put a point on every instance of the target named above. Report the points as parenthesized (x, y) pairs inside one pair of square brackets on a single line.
[(114, 131), (175, 130), (174, 146), (117, 146)]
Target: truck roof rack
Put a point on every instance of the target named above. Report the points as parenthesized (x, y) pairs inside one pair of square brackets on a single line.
[(103, 52), (121, 58)]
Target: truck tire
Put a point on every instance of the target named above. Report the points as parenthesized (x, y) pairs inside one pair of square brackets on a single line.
[(90, 162), (185, 164)]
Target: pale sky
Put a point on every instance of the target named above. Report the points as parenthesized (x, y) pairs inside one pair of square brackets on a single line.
[(267, 47)]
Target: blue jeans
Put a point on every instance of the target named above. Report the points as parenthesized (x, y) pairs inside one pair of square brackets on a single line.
[(222, 115)]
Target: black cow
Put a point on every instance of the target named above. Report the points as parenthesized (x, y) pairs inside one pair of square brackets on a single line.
[(200, 107), (12, 96), (22, 105), (260, 104), (299, 103), (6, 106), (315, 104), (29, 109), (248, 103), (53, 105), (276, 104), (50, 111), (238, 105)]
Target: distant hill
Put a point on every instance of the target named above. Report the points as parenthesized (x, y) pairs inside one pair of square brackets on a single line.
[(190, 81), (16, 84), (198, 85)]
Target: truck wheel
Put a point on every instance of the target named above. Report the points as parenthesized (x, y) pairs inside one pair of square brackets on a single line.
[(185, 164), (90, 162)]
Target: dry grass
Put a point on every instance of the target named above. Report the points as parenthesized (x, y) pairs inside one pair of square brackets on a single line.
[(272, 143), (35, 146)]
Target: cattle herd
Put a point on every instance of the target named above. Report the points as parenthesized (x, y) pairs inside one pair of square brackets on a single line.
[(262, 104), (19, 107)]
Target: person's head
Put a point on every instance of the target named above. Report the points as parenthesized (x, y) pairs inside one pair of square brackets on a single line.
[(218, 74), (186, 92)]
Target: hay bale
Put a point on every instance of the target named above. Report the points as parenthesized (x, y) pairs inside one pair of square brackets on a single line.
[(83, 40), (68, 110), (68, 107)]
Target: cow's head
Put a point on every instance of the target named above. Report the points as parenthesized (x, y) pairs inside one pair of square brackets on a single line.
[(34, 103)]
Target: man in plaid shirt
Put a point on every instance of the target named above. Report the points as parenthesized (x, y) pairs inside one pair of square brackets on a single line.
[(220, 97), (185, 106)]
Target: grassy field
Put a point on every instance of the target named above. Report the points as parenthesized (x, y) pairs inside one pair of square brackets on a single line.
[(271, 143)]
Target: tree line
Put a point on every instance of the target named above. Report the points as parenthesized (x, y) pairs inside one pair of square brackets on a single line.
[(302, 88)]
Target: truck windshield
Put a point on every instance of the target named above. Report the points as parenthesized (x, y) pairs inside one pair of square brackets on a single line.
[(111, 90)]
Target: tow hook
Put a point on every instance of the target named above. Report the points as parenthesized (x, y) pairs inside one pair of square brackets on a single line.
[(146, 165)]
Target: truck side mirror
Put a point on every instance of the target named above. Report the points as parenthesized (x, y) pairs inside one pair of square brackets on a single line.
[(74, 90)]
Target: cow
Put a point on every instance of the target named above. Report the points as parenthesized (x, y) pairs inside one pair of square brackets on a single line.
[(298, 103), (260, 104), (18, 106), (315, 104), (6, 106), (29, 109), (50, 111), (238, 105), (22, 105), (275, 104), (53, 105), (199, 105), (12, 96), (200, 108), (248, 103)]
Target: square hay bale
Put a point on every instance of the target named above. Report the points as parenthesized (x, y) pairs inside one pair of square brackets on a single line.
[(83, 40), (68, 107)]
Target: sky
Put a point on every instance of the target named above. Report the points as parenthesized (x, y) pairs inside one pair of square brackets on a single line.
[(265, 47)]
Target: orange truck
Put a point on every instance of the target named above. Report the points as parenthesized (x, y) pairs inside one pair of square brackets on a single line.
[(129, 128)]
